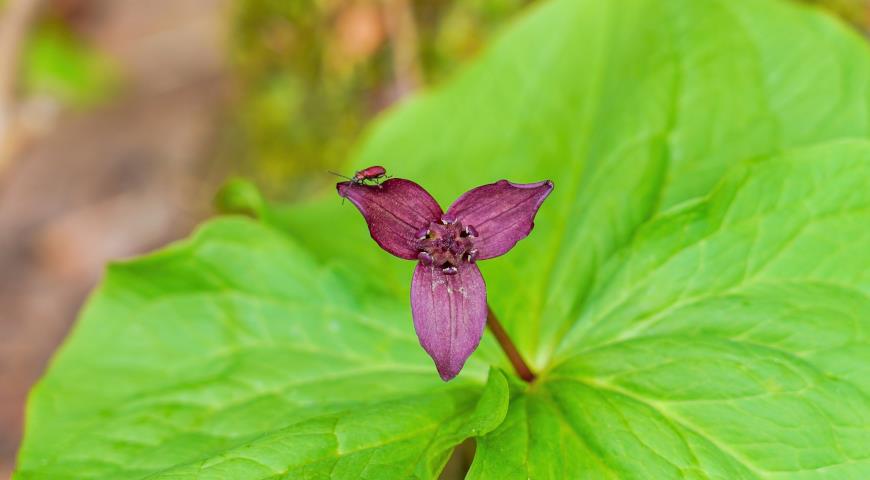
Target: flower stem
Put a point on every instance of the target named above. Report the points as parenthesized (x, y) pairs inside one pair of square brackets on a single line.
[(520, 365)]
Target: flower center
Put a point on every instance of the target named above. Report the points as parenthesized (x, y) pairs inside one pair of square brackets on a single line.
[(446, 244)]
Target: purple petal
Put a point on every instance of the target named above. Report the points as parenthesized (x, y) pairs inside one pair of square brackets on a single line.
[(449, 314), (395, 211), (503, 213)]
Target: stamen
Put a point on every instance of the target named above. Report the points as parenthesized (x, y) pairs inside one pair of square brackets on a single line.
[(469, 231), (425, 258), (422, 234), (471, 257), (448, 219), (451, 270)]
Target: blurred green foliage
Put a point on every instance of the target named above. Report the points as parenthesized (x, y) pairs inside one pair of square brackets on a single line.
[(241, 197), (856, 12), (59, 65), (313, 73)]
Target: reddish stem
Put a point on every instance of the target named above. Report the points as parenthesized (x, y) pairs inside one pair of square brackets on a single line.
[(520, 365)]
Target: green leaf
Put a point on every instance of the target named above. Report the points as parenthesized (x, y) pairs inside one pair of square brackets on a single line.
[(234, 355), (728, 340), (59, 65), (695, 294)]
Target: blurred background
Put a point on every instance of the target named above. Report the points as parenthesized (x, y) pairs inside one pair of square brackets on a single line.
[(121, 119)]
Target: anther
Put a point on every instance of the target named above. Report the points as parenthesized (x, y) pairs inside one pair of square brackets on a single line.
[(451, 270), (422, 233), (448, 219), (471, 256), (425, 258), (469, 231)]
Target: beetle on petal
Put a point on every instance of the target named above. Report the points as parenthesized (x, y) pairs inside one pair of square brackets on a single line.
[(448, 294)]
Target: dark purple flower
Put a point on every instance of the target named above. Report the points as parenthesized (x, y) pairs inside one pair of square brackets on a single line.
[(448, 295)]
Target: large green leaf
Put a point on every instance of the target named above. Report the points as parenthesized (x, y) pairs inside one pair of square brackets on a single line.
[(234, 355), (729, 339), (695, 292)]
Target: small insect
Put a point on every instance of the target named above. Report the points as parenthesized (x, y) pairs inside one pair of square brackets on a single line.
[(367, 176)]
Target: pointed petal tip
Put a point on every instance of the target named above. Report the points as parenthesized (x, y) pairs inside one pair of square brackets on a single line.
[(446, 374), (449, 314), (533, 185), (502, 213), (394, 210), (341, 188)]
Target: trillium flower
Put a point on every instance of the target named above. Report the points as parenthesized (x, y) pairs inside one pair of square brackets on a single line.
[(448, 294)]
